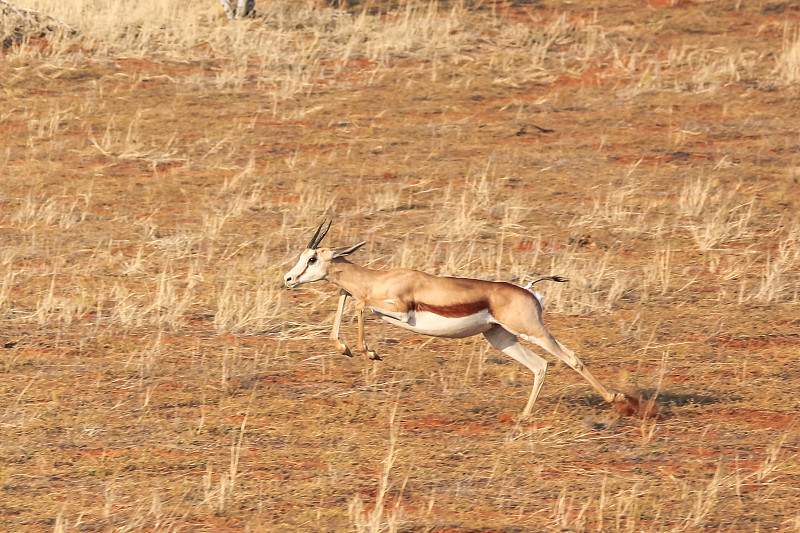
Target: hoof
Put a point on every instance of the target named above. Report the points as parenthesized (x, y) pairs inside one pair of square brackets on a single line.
[(346, 351), (372, 355)]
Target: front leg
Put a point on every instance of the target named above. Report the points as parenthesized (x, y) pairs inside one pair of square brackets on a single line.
[(361, 344), (337, 322)]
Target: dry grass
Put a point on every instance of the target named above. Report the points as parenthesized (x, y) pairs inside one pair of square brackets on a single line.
[(161, 167)]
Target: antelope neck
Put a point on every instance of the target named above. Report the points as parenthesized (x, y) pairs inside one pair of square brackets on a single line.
[(348, 276)]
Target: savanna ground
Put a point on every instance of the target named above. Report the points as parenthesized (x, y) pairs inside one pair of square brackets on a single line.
[(161, 168)]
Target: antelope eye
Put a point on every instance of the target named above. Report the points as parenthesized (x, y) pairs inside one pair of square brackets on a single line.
[(312, 260)]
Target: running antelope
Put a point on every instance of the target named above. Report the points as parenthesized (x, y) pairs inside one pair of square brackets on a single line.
[(443, 307)]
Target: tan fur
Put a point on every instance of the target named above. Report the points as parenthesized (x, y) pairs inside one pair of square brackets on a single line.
[(397, 293)]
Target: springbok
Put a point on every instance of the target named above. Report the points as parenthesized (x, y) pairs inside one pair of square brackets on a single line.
[(443, 307)]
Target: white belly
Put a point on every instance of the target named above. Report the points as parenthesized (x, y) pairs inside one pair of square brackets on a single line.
[(428, 323)]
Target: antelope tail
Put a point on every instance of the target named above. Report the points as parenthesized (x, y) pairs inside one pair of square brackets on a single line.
[(557, 279)]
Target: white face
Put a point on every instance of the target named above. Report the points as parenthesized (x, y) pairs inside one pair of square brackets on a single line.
[(312, 266)]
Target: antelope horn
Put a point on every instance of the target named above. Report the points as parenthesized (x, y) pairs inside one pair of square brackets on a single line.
[(317, 238)]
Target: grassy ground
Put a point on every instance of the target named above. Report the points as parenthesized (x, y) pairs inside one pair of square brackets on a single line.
[(162, 167)]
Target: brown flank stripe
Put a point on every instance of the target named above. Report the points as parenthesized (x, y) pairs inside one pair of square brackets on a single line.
[(453, 310)]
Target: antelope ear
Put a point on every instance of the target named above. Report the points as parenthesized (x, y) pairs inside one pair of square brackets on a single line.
[(339, 252)]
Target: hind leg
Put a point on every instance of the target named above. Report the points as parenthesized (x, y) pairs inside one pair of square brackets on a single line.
[(508, 343), (524, 319), (549, 343)]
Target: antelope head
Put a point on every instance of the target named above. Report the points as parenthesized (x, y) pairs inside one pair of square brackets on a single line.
[(314, 261)]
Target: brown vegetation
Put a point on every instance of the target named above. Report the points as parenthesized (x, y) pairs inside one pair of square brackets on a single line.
[(161, 168)]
